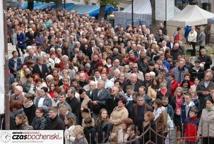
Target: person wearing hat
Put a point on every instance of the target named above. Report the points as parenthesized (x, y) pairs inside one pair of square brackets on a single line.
[(191, 126)]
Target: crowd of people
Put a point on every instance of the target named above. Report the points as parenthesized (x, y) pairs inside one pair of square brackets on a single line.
[(105, 84)]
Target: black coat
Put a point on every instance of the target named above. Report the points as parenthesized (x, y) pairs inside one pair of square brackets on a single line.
[(30, 113), (197, 74), (90, 134), (176, 52), (149, 134), (111, 103), (43, 73), (137, 114), (75, 107), (142, 66), (103, 128), (55, 124), (39, 123), (101, 99), (207, 60)]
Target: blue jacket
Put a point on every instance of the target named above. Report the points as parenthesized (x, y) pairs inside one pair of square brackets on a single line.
[(21, 40), (170, 111), (11, 65), (179, 74)]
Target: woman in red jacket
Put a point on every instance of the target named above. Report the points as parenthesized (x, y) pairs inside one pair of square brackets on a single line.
[(174, 84)]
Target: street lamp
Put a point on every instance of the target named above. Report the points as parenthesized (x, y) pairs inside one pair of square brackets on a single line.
[(132, 13)]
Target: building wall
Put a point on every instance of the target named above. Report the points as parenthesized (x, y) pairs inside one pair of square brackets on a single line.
[(212, 6)]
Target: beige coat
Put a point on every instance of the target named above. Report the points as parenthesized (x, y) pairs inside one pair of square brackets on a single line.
[(118, 115), (206, 125), (116, 118)]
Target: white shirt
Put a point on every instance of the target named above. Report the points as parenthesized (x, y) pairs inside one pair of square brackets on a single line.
[(40, 102), (109, 84), (192, 37), (206, 84)]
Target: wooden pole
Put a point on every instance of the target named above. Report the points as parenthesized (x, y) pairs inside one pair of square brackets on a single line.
[(6, 75)]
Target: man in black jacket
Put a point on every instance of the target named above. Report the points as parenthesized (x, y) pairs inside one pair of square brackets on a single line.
[(74, 103), (54, 122), (138, 111), (203, 88), (40, 68), (99, 97), (205, 59), (197, 71), (113, 99)]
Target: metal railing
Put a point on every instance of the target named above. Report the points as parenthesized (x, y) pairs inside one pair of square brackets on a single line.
[(151, 136)]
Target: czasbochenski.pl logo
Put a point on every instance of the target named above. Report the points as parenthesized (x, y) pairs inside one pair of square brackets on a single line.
[(6, 137)]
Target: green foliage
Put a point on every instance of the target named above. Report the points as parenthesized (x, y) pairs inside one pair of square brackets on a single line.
[(112, 2)]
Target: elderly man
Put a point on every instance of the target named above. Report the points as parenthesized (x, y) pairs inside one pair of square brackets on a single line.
[(176, 51), (204, 87), (40, 68), (17, 98), (134, 82), (99, 97), (180, 70)]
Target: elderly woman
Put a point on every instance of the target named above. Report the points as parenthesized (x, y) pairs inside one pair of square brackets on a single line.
[(206, 125), (118, 115)]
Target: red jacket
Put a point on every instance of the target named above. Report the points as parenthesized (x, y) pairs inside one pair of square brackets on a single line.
[(174, 85), (190, 129)]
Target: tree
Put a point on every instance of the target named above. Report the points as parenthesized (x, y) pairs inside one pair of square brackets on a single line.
[(103, 4), (30, 4)]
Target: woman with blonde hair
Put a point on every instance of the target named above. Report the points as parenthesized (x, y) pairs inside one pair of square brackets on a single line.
[(79, 135), (176, 103), (70, 122)]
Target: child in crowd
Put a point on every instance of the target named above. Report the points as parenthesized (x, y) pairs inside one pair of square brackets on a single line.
[(191, 126)]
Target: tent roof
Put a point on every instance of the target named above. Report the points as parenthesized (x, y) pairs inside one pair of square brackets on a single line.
[(140, 7), (191, 15)]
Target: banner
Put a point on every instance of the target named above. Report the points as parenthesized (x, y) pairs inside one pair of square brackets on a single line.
[(31, 137), (2, 90)]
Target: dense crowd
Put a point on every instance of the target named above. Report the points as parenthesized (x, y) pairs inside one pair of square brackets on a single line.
[(104, 84)]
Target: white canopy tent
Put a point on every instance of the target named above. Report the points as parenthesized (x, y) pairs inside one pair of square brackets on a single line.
[(142, 13), (191, 15)]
